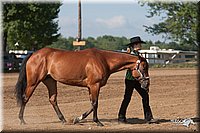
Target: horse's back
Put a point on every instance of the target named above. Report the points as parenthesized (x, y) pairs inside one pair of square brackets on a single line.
[(68, 67), (90, 52), (52, 54)]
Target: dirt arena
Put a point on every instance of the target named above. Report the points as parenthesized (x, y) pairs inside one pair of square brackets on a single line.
[(173, 95)]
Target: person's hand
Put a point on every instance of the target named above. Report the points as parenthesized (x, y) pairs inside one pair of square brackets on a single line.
[(128, 50)]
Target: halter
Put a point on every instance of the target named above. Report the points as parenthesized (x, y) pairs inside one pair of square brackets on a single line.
[(138, 70)]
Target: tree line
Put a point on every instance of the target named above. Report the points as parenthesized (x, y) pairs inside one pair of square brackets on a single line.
[(109, 42), (35, 25)]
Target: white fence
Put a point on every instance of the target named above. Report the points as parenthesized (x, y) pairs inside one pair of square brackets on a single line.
[(166, 58), (162, 56), (155, 55)]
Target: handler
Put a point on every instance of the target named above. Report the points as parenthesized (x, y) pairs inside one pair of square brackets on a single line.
[(131, 83)]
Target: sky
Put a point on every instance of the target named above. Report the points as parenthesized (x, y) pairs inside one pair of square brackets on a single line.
[(120, 18)]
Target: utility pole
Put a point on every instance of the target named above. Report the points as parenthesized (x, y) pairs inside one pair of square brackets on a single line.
[(79, 20), (78, 41)]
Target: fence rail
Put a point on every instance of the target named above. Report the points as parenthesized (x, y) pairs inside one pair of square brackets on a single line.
[(166, 58)]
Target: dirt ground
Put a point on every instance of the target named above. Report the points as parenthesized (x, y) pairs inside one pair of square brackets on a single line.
[(173, 95)]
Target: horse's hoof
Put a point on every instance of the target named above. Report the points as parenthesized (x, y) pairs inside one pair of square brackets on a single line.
[(99, 124), (63, 122), (76, 120), (22, 123)]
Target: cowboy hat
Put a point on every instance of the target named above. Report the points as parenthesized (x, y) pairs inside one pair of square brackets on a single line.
[(135, 40)]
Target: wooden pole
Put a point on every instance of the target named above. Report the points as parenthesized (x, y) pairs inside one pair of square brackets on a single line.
[(79, 22), (78, 42)]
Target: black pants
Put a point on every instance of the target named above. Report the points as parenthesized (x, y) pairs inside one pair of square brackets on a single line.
[(130, 85)]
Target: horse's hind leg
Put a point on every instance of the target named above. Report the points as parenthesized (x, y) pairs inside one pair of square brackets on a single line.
[(21, 113), (51, 84), (28, 93)]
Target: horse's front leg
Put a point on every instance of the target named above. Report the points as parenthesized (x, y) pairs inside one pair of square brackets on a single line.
[(95, 118), (94, 89), (93, 93), (83, 116)]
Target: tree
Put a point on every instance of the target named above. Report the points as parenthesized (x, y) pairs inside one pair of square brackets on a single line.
[(90, 42), (61, 43), (31, 25), (111, 43), (198, 25), (179, 22)]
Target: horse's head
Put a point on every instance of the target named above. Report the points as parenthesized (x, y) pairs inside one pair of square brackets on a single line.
[(140, 72)]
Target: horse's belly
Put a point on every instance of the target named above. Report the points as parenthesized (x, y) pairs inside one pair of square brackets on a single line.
[(69, 76), (70, 81), (73, 82)]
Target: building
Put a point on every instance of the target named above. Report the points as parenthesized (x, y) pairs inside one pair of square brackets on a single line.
[(155, 55)]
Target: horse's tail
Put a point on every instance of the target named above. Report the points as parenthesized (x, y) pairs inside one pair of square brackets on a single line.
[(20, 86)]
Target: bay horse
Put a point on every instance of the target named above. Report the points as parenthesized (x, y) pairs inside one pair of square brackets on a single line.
[(89, 68)]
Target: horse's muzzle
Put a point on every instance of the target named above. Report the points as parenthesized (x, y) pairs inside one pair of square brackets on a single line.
[(145, 82)]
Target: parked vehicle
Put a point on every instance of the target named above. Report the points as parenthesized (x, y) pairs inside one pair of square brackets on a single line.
[(20, 55), (10, 62)]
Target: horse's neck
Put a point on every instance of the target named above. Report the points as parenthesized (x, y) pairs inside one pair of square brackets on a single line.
[(119, 61)]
